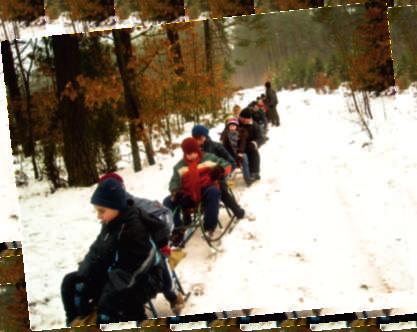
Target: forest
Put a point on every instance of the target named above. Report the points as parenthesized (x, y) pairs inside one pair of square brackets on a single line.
[(403, 29), (88, 92), (80, 10), (218, 8), (18, 14), (265, 6), (316, 48)]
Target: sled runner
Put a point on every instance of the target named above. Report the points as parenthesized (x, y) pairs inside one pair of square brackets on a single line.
[(175, 257)]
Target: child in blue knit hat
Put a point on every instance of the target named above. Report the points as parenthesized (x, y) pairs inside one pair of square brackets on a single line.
[(122, 269)]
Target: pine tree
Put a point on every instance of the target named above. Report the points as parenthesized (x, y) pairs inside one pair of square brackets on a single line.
[(80, 158)]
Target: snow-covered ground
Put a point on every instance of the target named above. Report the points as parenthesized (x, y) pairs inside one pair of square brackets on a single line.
[(9, 205), (334, 218)]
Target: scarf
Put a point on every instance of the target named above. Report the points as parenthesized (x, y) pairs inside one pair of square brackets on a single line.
[(193, 179)]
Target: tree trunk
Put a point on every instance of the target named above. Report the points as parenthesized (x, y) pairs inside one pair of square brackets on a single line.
[(208, 43), (28, 103), (178, 122), (150, 154), (15, 98), (49, 145), (168, 129), (137, 164), (49, 160), (361, 118), (109, 158), (79, 157), (174, 40), (124, 56)]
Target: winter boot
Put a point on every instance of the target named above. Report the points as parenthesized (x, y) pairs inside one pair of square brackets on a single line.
[(178, 304), (249, 181), (256, 176), (240, 214)]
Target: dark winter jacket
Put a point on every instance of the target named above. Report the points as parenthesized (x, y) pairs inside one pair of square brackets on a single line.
[(219, 150), (123, 245), (271, 97), (253, 133), (259, 116), (241, 142)]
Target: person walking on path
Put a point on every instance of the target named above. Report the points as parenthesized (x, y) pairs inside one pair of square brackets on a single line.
[(271, 103)]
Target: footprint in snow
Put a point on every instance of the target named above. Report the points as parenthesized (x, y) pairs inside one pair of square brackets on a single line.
[(198, 289), (250, 236)]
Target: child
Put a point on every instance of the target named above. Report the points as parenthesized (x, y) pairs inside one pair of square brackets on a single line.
[(234, 140), (207, 145), (236, 110), (195, 180), (122, 270), (263, 110), (160, 223)]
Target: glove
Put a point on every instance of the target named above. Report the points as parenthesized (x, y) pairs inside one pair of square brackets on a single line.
[(217, 173), (166, 251)]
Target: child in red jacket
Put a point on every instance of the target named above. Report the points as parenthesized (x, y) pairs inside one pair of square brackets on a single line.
[(195, 180)]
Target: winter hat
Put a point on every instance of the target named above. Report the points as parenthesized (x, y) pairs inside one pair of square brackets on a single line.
[(199, 130), (232, 121), (190, 145), (111, 175), (110, 193), (246, 114)]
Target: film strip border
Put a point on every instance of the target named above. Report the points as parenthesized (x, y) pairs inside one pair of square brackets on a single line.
[(13, 248), (307, 320), (35, 18)]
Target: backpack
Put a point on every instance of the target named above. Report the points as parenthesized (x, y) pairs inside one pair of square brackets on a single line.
[(159, 220)]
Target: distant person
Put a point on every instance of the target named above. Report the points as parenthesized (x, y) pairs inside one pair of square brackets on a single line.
[(253, 142), (236, 111), (259, 117), (234, 140), (271, 103)]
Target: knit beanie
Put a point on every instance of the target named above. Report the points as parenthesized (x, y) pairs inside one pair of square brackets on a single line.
[(232, 121), (111, 175), (199, 130), (190, 145), (246, 114), (110, 193)]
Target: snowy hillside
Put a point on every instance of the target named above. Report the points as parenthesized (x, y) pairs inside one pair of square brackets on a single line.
[(333, 218)]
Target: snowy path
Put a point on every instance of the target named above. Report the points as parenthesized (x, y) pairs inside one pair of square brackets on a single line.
[(332, 227), (329, 231)]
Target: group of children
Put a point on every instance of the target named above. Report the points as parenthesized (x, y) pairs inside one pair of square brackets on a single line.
[(126, 266)]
